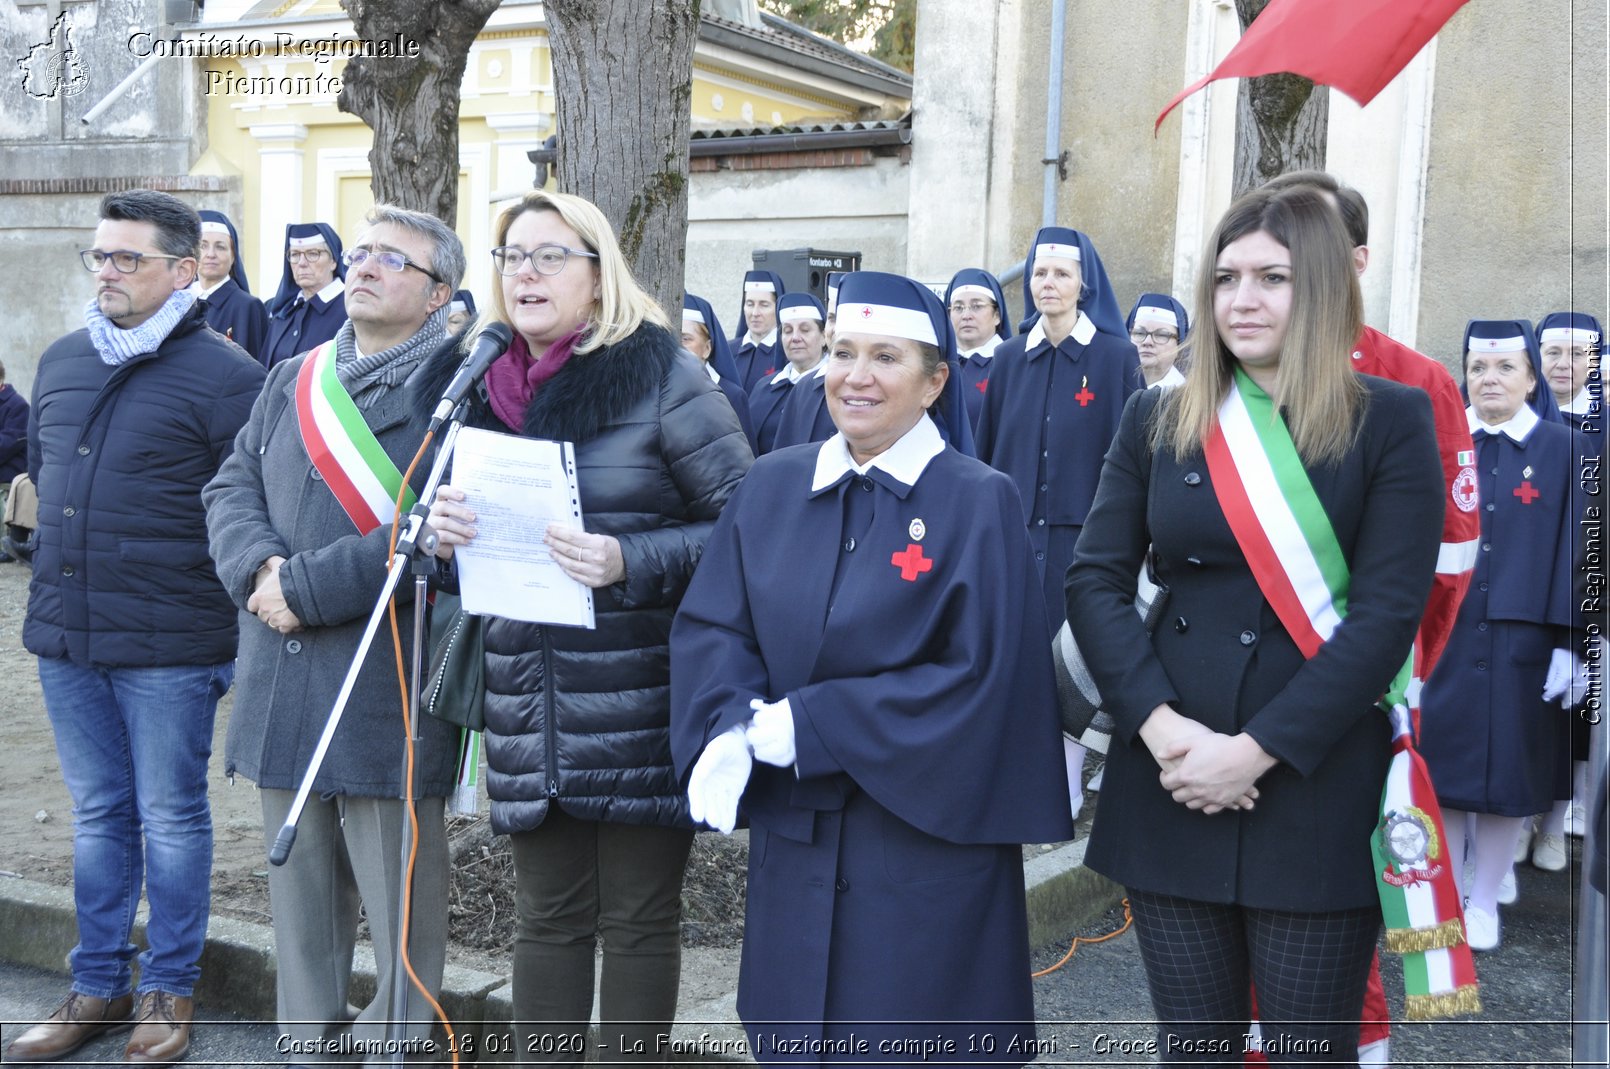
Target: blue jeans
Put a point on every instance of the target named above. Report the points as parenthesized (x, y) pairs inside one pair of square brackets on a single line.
[(134, 745)]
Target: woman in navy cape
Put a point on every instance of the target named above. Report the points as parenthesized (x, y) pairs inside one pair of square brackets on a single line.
[(755, 349), (800, 320), (702, 336), (861, 659), (231, 309), (310, 305), (1493, 732), (1157, 328), (979, 315), (1055, 397)]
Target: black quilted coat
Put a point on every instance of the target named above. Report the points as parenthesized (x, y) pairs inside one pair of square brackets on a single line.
[(578, 717)]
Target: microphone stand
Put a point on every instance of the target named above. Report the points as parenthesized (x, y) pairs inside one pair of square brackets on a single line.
[(417, 545)]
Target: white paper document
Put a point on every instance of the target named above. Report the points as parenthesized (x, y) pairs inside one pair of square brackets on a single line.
[(516, 487)]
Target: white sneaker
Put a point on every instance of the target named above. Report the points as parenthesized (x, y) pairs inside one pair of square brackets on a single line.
[(1507, 892), (1481, 929), (1576, 823), (1548, 853)]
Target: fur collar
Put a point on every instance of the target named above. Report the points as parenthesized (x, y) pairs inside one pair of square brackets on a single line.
[(591, 392)]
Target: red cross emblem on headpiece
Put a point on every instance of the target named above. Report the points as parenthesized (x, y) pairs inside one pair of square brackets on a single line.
[(911, 562), (866, 311)]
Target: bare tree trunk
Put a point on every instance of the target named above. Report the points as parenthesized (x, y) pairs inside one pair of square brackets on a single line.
[(411, 103), (1280, 122), (623, 78)]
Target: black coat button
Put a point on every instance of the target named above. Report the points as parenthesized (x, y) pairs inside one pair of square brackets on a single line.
[(1192, 479), (69, 511), (1481, 666), (83, 450), (1197, 561), (1248, 637), (67, 569), (1181, 624), (318, 476), (294, 646), (1482, 626), (866, 484), (849, 545), (841, 884)]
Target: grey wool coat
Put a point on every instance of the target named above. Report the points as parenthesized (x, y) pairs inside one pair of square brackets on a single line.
[(268, 499)]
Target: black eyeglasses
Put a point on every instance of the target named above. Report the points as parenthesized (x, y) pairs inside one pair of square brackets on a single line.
[(545, 259), (1161, 337), (391, 261), (125, 261)]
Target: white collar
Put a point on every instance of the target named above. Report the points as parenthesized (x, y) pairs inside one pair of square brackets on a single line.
[(790, 374), (1581, 404), (769, 339), (330, 292), (195, 287), (1169, 381), (715, 376), (905, 459), (985, 351), (1083, 330), (1518, 427)]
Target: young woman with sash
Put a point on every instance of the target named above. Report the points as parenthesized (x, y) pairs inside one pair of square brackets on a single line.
[(1295, 508)]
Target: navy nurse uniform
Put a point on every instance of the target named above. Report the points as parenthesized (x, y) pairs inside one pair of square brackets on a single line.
[(766, 400), (893, 606), (757, 357), (1049, 415), (969, 284), (720, 366), (1491, 742), (231, 309), (296, 323)]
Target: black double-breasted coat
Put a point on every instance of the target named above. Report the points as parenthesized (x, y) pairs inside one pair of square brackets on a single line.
[(1220, 656)]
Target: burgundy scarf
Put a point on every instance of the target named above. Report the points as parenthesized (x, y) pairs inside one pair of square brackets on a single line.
[(514, 377)]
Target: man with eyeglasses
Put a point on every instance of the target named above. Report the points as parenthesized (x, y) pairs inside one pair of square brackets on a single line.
[(310, 306), (300, 522), (978, 315), (134, 633)]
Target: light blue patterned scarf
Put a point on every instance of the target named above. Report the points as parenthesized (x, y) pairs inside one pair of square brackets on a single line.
[(119, 346)]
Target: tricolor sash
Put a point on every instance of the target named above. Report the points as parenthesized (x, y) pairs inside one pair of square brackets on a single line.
[(343, 449), (1293, 552), (365, 481)]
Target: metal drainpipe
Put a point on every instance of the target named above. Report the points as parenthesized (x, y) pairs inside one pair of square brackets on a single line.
[(1055, 160)]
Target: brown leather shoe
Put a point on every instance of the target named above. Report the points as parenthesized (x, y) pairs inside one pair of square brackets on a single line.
[(161, 1029), (79, 1019)]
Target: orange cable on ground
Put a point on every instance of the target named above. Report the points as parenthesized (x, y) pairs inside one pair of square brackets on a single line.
[(1082, 939), (408, 784)]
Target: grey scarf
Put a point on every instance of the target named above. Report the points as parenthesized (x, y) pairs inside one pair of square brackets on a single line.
[(364, 375)]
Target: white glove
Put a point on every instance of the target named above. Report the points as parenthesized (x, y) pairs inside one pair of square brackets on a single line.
[(1562, 666), (1579, 684), (771, 732), (718, 780)]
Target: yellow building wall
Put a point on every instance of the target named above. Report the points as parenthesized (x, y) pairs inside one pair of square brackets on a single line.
[(266, 132)]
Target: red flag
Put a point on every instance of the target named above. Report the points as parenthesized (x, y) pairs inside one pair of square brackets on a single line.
[(1355, 45)]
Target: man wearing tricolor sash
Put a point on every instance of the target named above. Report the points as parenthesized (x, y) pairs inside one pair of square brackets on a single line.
[(300, 527), (1295, 508)]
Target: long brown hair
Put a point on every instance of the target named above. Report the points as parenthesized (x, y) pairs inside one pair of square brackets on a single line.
[(1316, 388)]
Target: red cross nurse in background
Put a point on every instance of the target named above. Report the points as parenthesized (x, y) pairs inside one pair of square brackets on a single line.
[(1492, 728)]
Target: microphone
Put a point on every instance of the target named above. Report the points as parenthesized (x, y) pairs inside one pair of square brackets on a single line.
[(492, 342)]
